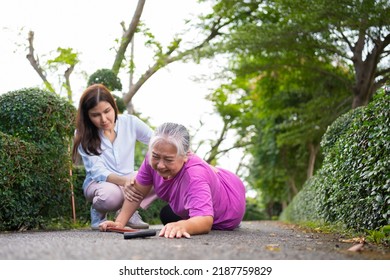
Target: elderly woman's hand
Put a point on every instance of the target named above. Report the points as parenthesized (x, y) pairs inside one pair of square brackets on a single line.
[(174, 230)]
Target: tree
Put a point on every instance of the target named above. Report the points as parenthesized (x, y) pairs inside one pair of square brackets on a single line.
[(66, 57), (279, 118), (200, 48), (174, 51), (291, 65), (352, 33)]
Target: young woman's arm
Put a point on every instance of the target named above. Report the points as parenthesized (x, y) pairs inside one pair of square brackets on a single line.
[(131, 193), (194, 225)]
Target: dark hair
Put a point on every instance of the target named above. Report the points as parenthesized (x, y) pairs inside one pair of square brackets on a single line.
[(87, 133)]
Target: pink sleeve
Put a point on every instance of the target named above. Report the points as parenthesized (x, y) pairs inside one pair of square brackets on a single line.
[(199, 201), (145, 173)]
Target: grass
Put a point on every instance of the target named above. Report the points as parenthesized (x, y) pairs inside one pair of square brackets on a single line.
[(379, 237)]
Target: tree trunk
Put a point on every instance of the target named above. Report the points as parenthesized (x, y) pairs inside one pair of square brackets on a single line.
[(127, 36), (313, 150), (35, 63), (364, 85), (292, 186), (67, 83), (165, 59), (366, 69), (130, 108)]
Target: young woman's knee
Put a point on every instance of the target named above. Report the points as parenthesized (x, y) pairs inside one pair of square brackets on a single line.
[(108, 197)]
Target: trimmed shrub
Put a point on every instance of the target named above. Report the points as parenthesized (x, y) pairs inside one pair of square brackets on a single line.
[(21, 205), (106, 77), (353, 185), (357, 168), (305, 206), (35, 115), (43, 123)]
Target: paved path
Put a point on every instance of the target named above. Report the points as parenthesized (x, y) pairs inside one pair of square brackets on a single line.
[(260, 240)]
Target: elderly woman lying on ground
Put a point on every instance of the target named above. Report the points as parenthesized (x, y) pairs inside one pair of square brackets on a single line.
[(200, 197)]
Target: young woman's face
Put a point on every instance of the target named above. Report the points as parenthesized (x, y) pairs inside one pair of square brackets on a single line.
[(102, 116), (165, 160)]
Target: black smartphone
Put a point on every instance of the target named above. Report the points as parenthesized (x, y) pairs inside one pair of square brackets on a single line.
[(139, 234)]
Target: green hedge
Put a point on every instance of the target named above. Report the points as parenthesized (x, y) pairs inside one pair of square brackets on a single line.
[(106, 77), (36, 128), (81, 204), (306, 205), (21, 205), (353, 185)]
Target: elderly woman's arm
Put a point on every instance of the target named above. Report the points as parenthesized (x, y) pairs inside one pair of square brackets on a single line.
[(184, 228)]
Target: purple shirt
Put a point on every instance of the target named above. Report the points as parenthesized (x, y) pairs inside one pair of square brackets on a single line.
[(199, 190)]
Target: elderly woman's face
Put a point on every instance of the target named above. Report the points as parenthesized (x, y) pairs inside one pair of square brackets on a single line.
[(165, 161)]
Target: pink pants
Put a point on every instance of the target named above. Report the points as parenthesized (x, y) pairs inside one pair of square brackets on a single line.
[(108, 197)]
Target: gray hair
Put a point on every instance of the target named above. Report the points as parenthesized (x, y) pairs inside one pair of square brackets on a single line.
[(173, 133)]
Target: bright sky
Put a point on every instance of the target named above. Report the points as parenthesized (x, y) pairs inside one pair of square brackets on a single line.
[(90, 28)]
